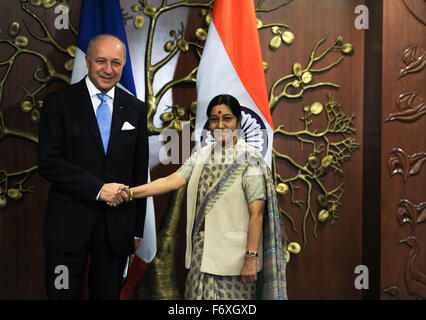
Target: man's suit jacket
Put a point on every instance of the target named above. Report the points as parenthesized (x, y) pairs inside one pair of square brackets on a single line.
[(72, 159)]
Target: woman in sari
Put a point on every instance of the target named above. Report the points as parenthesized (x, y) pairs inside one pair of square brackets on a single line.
[(231, 203)]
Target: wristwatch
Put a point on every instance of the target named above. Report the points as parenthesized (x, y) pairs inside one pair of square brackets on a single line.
[(252, 253)]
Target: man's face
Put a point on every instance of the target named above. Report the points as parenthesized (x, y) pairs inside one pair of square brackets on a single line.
[(106, 62)]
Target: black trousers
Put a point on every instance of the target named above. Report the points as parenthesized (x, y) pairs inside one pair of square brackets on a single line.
[(65, 271)]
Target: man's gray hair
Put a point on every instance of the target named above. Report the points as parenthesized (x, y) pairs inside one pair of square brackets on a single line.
[(93, 40)]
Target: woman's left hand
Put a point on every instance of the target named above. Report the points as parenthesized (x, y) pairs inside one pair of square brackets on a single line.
[(249, 274)]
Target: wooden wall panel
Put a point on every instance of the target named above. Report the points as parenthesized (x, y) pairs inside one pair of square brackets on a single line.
[(403, 176), (325, 268), (21, 222), (371, 146), (368, 230)]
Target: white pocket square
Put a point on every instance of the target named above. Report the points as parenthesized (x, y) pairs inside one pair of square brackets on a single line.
[(127, 126)]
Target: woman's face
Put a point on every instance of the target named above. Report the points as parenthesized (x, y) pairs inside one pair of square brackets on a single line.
[(222, 122)]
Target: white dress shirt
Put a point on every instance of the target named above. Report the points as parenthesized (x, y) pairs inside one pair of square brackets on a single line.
[(96, 101)]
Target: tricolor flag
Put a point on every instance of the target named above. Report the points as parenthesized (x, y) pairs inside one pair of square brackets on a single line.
[(231, 63), (104, 16)]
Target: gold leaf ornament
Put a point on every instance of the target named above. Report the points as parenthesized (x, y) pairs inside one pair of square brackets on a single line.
[(201, 34), (326, 161), (35, 116), (316, 108), (275, 30), (259, 23), (347, 49), (14, 194), (136, 8), (183, 45), (293, 247), (3, 201), (139, 21), (306, 77), (177, 125), (36, 3), (14, 29), (207, 19), (69, 64), (297, 69), (296, 83), (21, 41), (26, 106), (281, 188), (167, 116), (169, 46), (323, 215), (313, 162), (150, 10), (71, 50), (275, 42), (181, 112), (323, 200), (48, 3), (193, 107), (288, 37)]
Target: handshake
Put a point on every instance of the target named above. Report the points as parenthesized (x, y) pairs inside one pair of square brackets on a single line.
[(115, 194)]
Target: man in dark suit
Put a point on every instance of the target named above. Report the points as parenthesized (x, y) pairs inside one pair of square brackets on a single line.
[(93, 142)]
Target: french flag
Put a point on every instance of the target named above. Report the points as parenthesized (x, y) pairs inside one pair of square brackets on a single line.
[(231, 63), (99, 17)]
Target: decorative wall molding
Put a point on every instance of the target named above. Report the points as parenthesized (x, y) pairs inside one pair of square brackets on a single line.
[(414, 279), (404, 164), (393, 291), (410, 108), (414, 61), (417, 9), (411, 213)]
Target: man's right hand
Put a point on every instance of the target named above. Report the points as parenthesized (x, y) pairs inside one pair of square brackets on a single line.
[(111, 193)]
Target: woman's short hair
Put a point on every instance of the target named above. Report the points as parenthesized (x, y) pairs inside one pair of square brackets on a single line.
[(228, 100)]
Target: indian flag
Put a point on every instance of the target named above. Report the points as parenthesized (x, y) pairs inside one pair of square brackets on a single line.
[(231, 63)]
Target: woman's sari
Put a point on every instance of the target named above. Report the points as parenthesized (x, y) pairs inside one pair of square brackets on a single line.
[(215, 179)]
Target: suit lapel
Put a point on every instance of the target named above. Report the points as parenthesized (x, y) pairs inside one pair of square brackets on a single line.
[(117, 118), (85, 106)]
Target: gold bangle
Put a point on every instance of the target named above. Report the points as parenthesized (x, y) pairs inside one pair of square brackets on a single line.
[(131, 194)]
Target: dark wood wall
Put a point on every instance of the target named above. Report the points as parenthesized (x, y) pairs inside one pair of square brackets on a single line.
[(328, 261), (21, 221), (403, 196), (367, 230)]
